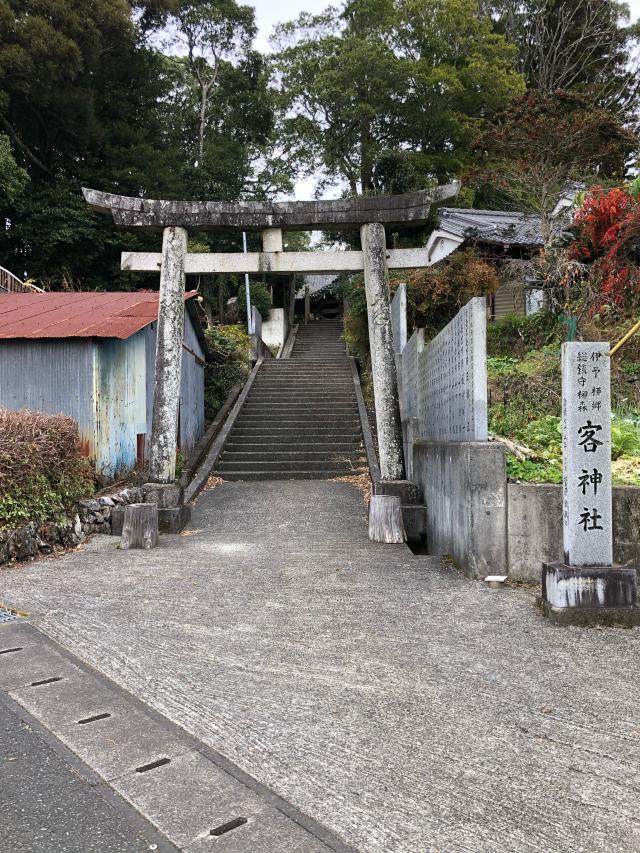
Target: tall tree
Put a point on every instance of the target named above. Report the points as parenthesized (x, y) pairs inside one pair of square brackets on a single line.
[(386, 95), (212, 32), (584, 45)]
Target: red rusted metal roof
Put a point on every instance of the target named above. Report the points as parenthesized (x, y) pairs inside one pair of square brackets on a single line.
[(77, 315)]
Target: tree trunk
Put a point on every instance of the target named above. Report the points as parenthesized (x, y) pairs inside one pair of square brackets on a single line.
[(140, 527), (383, 362), (385, 520), (202, 123)]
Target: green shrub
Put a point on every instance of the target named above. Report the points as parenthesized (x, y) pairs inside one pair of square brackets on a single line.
[(260, 297), (544, 435), (227, 365), (515, 334), (533, 472), (625, 438), (42, 468)]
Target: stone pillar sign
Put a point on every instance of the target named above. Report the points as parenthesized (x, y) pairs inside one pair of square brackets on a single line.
[(586, 455), (587, 588), (166, 395)]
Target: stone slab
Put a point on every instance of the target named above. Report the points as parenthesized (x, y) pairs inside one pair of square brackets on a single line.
[(117, 520), (127, 739), (174, 519), (32, 663), (62, 703), (406, 490), (583, 617), (591, 587), (415, 520), (188, 798), (586, 454), (452, 378), (164, 496), (265, 832)]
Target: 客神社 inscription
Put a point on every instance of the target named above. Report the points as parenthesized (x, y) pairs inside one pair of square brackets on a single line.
[(586, 454)]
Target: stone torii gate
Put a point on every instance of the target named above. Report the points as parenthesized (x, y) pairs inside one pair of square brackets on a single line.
[(175, 219)]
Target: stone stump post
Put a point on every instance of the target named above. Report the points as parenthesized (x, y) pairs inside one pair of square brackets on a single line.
[(166, 395), (383, 365), (140, 527), (587, 588)]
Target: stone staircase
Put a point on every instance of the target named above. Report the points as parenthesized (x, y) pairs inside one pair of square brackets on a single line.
[(300, 420)]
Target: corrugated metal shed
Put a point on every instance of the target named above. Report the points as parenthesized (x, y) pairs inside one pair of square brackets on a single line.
[(92, 356), (77, 315)]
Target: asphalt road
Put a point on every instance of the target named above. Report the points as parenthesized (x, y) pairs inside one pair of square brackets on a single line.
[(47, 806)]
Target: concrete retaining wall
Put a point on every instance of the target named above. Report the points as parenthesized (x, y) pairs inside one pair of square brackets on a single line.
[(465, 490), (535, 527)]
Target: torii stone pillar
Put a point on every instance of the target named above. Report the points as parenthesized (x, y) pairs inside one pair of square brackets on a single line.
[(166, 394), (383, 364)]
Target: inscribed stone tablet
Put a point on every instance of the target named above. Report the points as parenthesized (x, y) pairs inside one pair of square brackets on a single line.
[(586, 448), (452, 378)]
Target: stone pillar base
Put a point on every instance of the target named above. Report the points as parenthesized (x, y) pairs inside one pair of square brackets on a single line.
[(589, 595), (163, 495)]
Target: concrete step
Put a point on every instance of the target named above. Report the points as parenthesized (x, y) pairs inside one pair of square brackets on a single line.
[(278, 434), (291, 475), (283, 465), (302, 418), (264, 446), (300, 406), (303, 394), (291, 456)]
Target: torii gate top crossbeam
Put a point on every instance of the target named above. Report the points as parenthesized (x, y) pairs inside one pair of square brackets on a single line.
[(153, 215)]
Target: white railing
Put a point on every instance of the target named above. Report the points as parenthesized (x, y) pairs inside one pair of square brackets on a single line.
[(10, 283)]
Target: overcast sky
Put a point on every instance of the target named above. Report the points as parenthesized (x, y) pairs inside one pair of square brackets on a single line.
[(268, 14)]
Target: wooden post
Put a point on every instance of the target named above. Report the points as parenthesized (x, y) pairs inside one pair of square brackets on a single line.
[(307, 304), (383, 364), (385, 520), (140, 527), (166, 394)]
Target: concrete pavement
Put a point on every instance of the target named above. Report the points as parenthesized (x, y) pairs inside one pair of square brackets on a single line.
[(397, 703)]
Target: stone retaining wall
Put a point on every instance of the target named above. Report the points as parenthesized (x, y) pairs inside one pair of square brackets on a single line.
[(92, 515)]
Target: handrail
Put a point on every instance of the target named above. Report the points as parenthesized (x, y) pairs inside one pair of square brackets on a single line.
[(10, 283)]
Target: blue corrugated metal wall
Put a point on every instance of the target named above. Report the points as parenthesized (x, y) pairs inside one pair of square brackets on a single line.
[(50, 376), (120, 402), (191, 391)]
